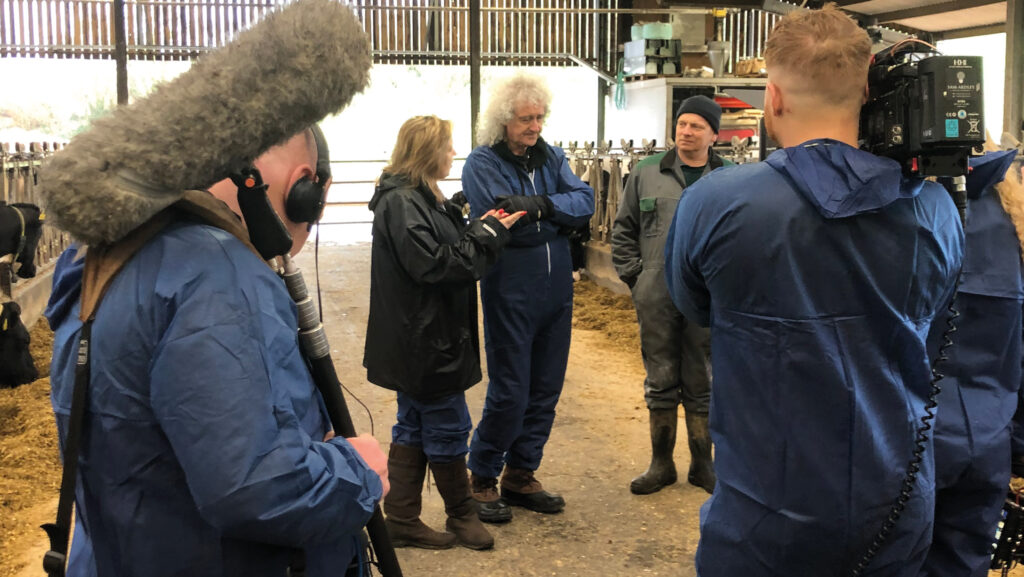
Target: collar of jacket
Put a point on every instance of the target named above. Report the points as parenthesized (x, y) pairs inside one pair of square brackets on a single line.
[(535, 156), (453, 212), (714, 161)]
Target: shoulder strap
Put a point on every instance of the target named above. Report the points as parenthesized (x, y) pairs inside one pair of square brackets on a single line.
[(55, 560), (102, 264)]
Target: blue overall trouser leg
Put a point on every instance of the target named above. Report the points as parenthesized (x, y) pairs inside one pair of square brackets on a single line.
[(527, 303), (969, 497)]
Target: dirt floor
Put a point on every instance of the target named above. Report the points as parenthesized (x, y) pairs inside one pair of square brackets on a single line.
[(598, 444)]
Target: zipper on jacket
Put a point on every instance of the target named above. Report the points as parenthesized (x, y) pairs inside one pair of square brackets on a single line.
[(534, 187)]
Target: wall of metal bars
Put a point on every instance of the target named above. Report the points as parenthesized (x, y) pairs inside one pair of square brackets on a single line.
[(513, 32), (747, 30), (537, 32), (401, 31)]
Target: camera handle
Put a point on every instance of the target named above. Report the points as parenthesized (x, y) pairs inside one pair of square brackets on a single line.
[(957, 188)]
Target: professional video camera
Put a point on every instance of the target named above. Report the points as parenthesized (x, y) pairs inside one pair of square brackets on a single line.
[(924, 110)]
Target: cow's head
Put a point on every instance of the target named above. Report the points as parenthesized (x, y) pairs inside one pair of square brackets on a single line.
[(33, 219), (16, 366)]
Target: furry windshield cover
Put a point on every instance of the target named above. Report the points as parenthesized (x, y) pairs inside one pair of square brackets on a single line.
[(295, 67)]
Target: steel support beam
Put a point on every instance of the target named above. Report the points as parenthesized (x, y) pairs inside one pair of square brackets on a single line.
[(474, 66), (602, 38), (121, 52), (1013, 88)]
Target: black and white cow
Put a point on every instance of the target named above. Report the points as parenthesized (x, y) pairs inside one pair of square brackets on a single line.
[(21, 225), (16, 366), (20, 229)]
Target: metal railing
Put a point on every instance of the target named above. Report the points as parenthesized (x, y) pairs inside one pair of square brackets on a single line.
[(349, 196), (400, 31), (513, 32), (19, 168)]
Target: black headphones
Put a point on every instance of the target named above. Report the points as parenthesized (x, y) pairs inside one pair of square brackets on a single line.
[(306, 198)]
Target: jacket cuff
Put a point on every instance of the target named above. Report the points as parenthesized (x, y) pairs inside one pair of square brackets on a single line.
[(492, 232)]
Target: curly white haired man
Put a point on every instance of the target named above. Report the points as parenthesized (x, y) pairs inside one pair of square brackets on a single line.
[(527, 296)]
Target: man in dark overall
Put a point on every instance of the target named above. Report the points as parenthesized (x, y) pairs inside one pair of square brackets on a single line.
[(675, 350)]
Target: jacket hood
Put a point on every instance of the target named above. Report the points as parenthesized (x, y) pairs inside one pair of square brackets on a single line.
[(841, 181), (67, 286), (385, 184), (988, 170)]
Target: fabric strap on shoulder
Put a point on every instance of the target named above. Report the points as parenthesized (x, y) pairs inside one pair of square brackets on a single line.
[(102, 264)]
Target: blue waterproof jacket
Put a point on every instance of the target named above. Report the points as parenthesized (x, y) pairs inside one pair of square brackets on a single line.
[(203, 450), (981, 384), (983, 371), (819, 271), (487, 175)]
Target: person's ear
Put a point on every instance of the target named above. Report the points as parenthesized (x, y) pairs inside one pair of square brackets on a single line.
[(867, 94), (774, 99)]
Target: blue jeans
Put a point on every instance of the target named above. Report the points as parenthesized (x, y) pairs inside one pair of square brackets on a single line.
[(441, 426)]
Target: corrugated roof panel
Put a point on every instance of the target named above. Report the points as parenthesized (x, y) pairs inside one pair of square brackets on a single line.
[(881, 6), (956, 20)]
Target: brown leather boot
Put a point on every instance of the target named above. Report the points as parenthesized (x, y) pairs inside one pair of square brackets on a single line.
[(407, 466), (702, 468), (520, 488), (491, 508), (662, 471), (453, 483)]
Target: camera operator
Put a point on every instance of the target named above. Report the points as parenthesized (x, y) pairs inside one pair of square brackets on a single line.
[(982, 374), (819, 272)]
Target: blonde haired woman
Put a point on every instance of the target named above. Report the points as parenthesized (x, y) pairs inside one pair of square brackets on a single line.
[(421, 340)]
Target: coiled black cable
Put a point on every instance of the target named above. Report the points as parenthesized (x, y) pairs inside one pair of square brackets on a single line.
[(920, 442)]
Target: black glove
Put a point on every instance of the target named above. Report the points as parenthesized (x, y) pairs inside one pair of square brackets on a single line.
[(459, 199), (537, 206)]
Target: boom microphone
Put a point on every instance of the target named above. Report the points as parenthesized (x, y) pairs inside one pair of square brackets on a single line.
[(295, 67)]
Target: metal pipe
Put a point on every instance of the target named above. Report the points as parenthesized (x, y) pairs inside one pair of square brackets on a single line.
[(121, 52), (313, 342), (474, 66)]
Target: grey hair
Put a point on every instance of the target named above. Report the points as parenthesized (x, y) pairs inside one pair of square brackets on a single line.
[(506, 95)]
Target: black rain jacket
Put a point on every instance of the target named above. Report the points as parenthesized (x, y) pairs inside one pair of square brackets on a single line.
[(422, 336)]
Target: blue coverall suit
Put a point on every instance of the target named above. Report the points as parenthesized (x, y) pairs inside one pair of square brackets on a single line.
[(819, 271), (981, 384), (527, 304), (202, 445)]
